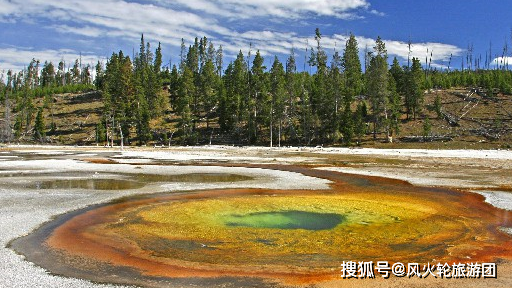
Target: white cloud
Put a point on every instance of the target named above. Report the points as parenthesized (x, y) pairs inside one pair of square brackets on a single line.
[(297, 8), (169, 22), (439, 52), (166, 20), (378, 13), (6, 8), (17, 59), (502, 61), (289, 9), (83, 31), (96, 17)]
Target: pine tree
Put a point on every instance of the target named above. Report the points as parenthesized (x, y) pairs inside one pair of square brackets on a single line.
[(353, 85), (211, 53), (183, 56), (174, 86), (86, 76), (352, 69), (413, 89), (126, 98), (427, 128), (100, 74), (203, 43), (157, 66), (187, 90), (359, 121), (395, 105), (293, 91), (235, 96), (192, 63), (398, 74), (119, 95), (32, 74), (377, 87), (158, 98), (438, 106), (347, 127), (319, 99), (100, 133), (338, 109), (308, 118), (39, 128), (143, 117), (226, 119), (277, 105), (209, 90), (75, 73), (48, 74), (25, 97), (61, 74), (219, 60), (258, 102)]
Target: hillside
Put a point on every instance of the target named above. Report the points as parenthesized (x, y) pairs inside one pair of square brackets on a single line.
[(470, 120), (75, 117)]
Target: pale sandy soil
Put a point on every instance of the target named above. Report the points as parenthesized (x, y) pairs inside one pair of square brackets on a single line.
[(22, 210)]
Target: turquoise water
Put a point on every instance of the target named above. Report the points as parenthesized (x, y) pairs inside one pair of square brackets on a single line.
[(286, 220)]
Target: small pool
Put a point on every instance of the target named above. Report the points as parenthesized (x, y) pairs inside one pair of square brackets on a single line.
[(90, 184), (286, 220), (192, 178)]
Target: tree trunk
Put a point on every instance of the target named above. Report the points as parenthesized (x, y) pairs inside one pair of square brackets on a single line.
[(279, 139), (387, 125), (374, 127), (122, 138), (112, 138), (271, 123)]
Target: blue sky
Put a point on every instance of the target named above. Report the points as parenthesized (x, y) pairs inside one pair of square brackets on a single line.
[(59, 29)]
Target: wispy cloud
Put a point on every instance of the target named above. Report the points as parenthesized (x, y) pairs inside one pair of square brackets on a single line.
[(115, 17), (167, 20), (378, 13), (83, 31), (289, 9)]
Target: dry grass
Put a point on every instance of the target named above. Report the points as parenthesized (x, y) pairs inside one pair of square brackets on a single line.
[(76, 116)]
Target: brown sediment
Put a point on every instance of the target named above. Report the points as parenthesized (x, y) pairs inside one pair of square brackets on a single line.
[(100, 160), (504, 188), (449, 225)]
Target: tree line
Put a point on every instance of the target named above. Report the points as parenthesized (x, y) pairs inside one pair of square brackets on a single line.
[(250, 103), (19, 91)]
